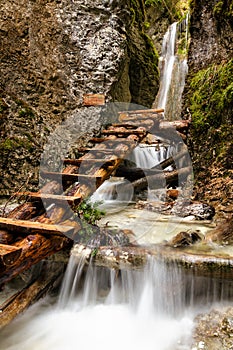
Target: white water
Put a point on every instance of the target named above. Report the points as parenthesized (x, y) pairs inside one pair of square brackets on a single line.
[(166, 65), (149, 309), (173, 70), (146, 157), (135, 311), (112, 195)]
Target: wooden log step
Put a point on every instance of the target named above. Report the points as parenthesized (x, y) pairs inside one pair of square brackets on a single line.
[(48, 279), (143, 111), (125, 132), (176, 124), (70, 177), (126, 125), (8, 254), (50, 198), (30, 227), (95, 150), (89, 160), (35, 248), (109, 140)]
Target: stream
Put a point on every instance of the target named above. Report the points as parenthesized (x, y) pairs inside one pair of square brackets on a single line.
[(150, 308)]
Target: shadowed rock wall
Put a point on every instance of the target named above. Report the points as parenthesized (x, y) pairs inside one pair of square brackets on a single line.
[(53, 52)]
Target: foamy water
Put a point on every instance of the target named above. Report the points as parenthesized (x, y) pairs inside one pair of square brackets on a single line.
[(105, 309), (99, 326)]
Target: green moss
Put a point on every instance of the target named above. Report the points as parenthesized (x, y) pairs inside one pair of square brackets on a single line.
[(210, 104), (223, 8), (26, 112), (12, 144), (211, 95)]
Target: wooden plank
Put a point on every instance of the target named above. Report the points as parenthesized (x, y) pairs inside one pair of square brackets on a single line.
[(125, 132), (35, 248), (95, 150), (93, 99), (143, 111), (89, 160), (21, 300), (29, 227), (9, 254), (68, 177), (52, 198)]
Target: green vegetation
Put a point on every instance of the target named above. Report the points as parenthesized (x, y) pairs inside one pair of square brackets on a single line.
[(211, 95), (223, 8), (176, 9), (26, 112), (210, 104), (88, 214), (12, 144)]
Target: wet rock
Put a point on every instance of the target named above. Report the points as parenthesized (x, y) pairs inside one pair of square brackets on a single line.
[(200, 211), (214, 330), (187, 238), (55, 53), (223, 233)]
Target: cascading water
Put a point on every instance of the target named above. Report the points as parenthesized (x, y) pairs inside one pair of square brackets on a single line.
[(173, 70), (151, 308), (112, 196), (146, 157)]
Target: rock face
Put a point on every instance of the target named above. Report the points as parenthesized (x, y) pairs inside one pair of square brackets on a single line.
[(209, 102), (55, 52), (211, 33)]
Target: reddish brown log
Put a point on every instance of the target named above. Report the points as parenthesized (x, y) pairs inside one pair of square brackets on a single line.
[(8, 255), (48, 279), (6, 237), (180, 125), (93, 99), (34, 249), (29, 227), (23, 211), (50, 198)]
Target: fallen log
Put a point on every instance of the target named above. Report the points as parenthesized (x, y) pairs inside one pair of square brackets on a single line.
[(30, 227), (133, 174), (6, 237), (171, 160), (180, 125), (8, 255), (23, 211), (16, 304), (34, 249), (168, 176), (143, 111)]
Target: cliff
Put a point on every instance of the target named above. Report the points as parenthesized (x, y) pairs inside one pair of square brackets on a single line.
[(52, 54), (208, 100)]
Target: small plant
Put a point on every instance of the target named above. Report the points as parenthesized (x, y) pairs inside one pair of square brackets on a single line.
[(88, 214)]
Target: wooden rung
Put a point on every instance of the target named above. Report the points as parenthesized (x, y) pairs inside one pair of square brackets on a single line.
[(70, 177), (29, 227), (50, 198), (106, 139), (9, 254), (86, 149), (89, 160), (126, 132), (125, 125), (143, 111)]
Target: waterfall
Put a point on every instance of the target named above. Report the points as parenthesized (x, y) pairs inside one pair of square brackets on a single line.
[(173, 70), (112, 196), (150, 308), (146, 157)]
